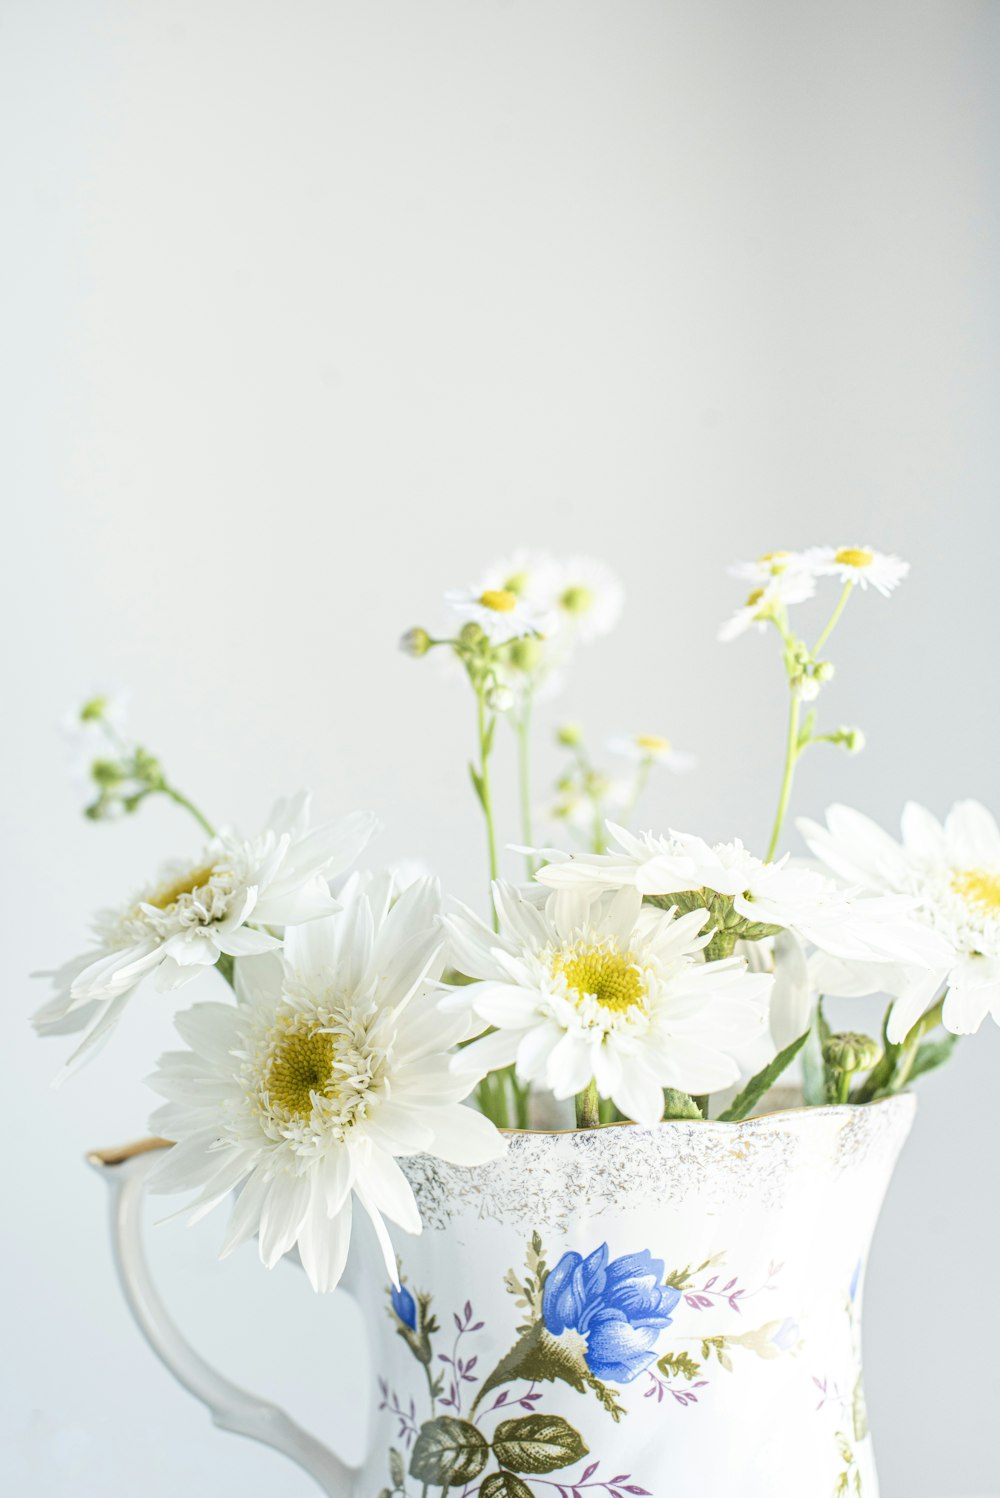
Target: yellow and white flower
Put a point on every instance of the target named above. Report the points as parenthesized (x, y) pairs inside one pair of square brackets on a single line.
[(587, 597), (501, 614), (952, 874), (768, 599), (334, 1062), (647, 748), (770, 565), (226, 902), (588, 985), (862, 565)]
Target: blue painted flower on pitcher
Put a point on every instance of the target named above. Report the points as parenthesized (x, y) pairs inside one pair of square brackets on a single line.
[(618, 1306), (404, 1306)]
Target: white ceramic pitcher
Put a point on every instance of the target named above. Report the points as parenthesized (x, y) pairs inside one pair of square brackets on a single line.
[(621, 1311)]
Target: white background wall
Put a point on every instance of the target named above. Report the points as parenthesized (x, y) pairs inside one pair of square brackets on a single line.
[(309, 309)]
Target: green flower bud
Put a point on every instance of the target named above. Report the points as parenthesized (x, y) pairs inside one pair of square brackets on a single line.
[(471, 634), (806, 688), (853, 740), (679, 1104), (94, 710), (525, 655), (570, 735), (415, 642), (851, 1052), (824, 671), (107, 773)]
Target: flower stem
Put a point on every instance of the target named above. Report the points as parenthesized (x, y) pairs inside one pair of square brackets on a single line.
[(832, 621), (893, 1071), (792, 751), (485, 726), (524, 778), (588, 1107), (180, 800)]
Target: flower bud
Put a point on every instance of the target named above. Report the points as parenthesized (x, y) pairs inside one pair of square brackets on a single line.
[(824, 671), (570, 735), (851, 1052), (807, 688), (500, 699), (852, 739), (107, 773), (94, 710), (525, 654), (471, 633), (415, 642)]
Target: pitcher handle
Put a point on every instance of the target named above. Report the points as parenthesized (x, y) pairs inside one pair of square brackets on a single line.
[(231, 1408)]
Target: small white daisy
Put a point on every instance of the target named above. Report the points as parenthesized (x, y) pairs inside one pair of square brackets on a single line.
[(647, 748), (857, 564), (222, 903), (767, 600), (587, 597), (501, 614), (771, 564), (591, 985), (333, 1063), (952, 873), (780, 895)]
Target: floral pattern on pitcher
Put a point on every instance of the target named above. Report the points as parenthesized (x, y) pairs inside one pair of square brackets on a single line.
[(591, 1322)]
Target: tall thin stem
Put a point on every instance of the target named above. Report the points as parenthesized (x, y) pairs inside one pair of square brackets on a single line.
[(181, 800), (832, 621), (792, 750), (485, 727)]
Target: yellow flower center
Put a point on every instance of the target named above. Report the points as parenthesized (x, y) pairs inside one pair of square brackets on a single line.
[(652, 743), (980, 887), (578, 599), (186, 884), (603, 973), (754, 598), (854, 556), (777, 561), (500, 600), (302, 1065)]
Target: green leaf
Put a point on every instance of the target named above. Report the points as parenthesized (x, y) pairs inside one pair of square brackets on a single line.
[(504, 1485), (758, 1085), (397, 1468), (932, 1054), (448, 1452), (679, 1104), (679, 1365), (477, 784), (537, 1443)]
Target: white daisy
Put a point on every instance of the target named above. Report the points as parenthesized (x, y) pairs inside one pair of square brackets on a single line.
[(590, 985), (220, 904), (334, 1062), (952, 873), (857, 564), (530, 575), (648, 748), (767, 600), (771, 564), (500, 614), (587, 597), (762, 897)]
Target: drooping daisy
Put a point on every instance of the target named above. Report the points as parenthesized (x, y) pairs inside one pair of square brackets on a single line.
[(751, 898), (588, 985), (587, 597), (334, 1062), (771, 564), (857, 564), (952, 872), (501, 614), (223, 903), (648, 748), (767, 600)]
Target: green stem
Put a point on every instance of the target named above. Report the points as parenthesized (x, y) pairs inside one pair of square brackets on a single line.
[(180, 800), (832, 621), (588, 1107), (227, 967), (524, 778), (893, 1071), (484, 727), (792, 750)]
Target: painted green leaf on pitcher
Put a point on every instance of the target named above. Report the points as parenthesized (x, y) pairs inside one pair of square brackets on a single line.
[(448, 1451), (538, 1443)]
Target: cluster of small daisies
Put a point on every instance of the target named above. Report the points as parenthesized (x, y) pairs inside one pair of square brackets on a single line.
[(781, 578), (357, 1021)]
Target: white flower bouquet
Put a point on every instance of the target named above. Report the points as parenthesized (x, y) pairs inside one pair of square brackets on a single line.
[(629, 976)]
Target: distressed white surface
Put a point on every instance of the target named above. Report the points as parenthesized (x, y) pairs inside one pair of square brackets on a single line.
[(309, 308)]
